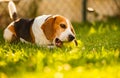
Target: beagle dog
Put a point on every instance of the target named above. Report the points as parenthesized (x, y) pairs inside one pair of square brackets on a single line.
[(45, 30)]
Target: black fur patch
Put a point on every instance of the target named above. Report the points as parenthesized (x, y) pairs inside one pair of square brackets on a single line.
[(22, 29)]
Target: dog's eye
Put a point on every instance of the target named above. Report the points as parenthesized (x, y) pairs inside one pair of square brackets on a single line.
[(63, 25)]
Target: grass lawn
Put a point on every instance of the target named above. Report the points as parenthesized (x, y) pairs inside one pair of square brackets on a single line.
[(96, 56)]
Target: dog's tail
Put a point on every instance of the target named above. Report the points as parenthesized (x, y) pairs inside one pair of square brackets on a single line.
[(12, 10)]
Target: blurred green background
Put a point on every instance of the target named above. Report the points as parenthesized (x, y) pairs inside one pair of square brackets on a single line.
[(96, 56)]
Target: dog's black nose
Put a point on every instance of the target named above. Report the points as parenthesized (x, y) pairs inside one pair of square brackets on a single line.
[(71, 37)]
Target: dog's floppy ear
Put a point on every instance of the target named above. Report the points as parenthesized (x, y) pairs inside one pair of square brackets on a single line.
[(49, 28)]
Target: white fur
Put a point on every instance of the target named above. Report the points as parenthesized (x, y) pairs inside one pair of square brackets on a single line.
[(40, 37), (12, 9), (8, 34)]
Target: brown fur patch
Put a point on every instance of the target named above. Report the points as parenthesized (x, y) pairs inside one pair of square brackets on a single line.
[(52, 28), (12, 29)]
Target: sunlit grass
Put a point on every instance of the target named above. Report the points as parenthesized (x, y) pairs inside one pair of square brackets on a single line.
[(96, 56)]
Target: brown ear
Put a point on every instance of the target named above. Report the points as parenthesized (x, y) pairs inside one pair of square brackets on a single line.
[(49, 29)]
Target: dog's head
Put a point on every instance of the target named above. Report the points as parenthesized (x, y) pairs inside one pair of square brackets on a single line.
[(58, 29)]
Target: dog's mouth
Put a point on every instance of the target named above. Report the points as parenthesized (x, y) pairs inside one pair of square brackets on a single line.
[(58, 42)]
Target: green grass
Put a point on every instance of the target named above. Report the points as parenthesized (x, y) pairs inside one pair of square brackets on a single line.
[(96, 56)]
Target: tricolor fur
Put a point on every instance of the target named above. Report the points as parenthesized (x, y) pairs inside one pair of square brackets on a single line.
[(43, 30)]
